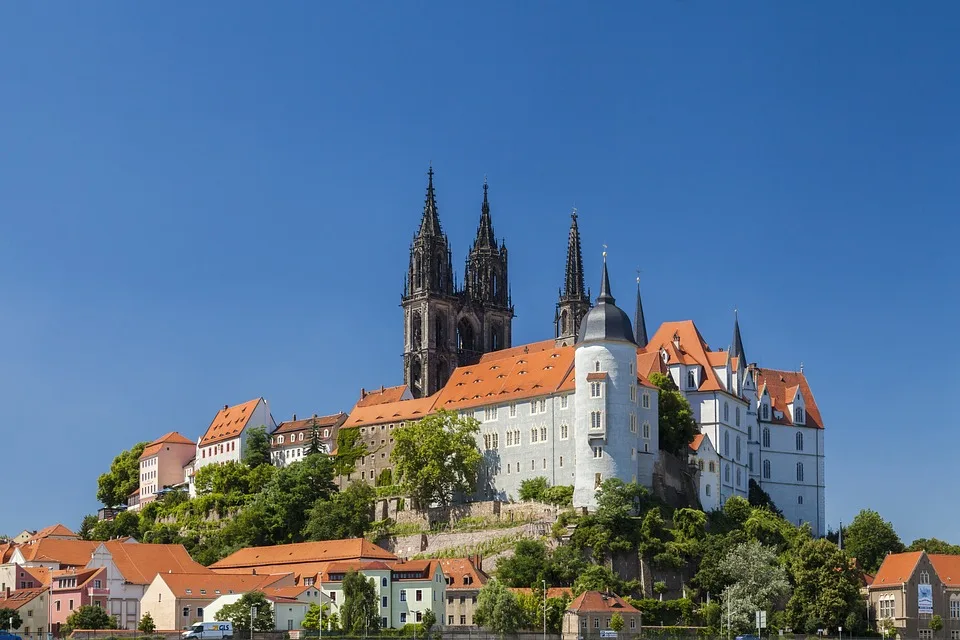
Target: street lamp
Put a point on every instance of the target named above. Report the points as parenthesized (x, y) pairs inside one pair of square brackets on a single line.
[(253, 614), (544, 610)]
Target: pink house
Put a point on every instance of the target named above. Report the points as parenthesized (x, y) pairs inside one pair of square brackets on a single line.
[(71, 589), (161, 465)]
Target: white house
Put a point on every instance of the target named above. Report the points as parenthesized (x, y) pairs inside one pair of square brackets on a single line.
[(704, 455), (226, 436), (290, 605)]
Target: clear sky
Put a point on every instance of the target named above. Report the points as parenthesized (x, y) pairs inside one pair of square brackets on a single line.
[(204, 203)]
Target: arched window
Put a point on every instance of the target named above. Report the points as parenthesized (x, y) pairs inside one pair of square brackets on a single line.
[(798, 415), (799, 499), (738, 416), (691, 380), (726, 444), (726, 412), (799, 441), (766, 437), (738, 447), (739, 476), (766, 469), (799, 472), (766, 412), (726, 472), (712, 467)]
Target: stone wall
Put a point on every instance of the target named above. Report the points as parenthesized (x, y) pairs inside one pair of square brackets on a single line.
[(464, 543), (492, 511), (674, 482)]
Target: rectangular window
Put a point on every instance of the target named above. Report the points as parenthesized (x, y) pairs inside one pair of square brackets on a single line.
[(564, 432), (186, 612), (403, 617), (533, 435), (561, 461), (598, 452), (596, 420), (56, 605), (646, 401), (925, 634), (71, 605), (449, 619), (596, 623), (419, 616), (383, 582), (490, 414), (200, 612), (403, 595), (595, 389), (563, 401), (419, 595), (954, 609), (513, 410), (633, 423), (463, 619), (496, 441), (751, 462), (633, 623), (597, 480)]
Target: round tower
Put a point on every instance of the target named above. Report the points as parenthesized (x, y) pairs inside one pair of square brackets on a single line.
[(606, 398)]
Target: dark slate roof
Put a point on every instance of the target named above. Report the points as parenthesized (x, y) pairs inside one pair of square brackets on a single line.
[(606, 322)]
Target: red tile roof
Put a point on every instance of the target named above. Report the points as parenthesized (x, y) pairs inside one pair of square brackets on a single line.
[(896, 569), (69, 553), (457, 570), (197, 583), (303, 553), (139, 563), (381, 395), (20, 597), (697, 441), (781, 385), (523, 349), (692, 349), (596, 602), (173, 437), (54, 531), (40, 574), (947, 568), (230, 422), (334, 420), (83, 576)]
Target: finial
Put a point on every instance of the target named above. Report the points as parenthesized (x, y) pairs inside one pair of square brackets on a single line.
[(801, 366), (573, 214), (639, 271), (604, 254), (736, 313)]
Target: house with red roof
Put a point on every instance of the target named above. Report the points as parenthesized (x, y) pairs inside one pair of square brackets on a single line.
[(290, 442), (465, 578), (910, 588), (161, 465), (704, 455), (31, 604), (224, 439), (592, 612)]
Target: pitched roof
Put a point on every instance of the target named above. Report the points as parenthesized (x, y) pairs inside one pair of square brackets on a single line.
[(697, 441), (40, 574), (356, 565), (230, 422), (193, 585), (381, 395), (595, 602), (20, 597), (70, 553), (54, 531), (390, 412), (83, 576), (139, 563), (173, 437), (288, 592), (692, 350), (334, 420), (519, 350), (303, 552), (896, 569), (458, 569), (781, 386), (947, 568)]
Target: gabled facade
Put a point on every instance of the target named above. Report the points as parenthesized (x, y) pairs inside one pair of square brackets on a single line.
[(288, 613), (71, 589), (591, 613), (227, 434), (464, 578), (31, 604), (161, 465), (910, 588), (291, 441), (704, 455)]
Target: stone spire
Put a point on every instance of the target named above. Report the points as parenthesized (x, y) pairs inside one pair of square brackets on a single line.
[(574, 301), (737, 347), (605, 296), (639, 322), (485, 237), (430, 223), (573, 283)]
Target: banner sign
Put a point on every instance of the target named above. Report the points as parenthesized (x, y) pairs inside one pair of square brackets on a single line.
[(924, 598)]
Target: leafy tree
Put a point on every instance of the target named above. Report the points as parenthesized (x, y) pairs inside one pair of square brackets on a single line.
[(359, 611), (677, 424), (616, 622), (826, 586), (710, 578), (760, 498), (498, 609), (933, 545), (737, 509), (316, 616), (526, 567), (385, 478), (224, 479), (437, 456), (560, 495), (756, 583), (533, 489), (147, 624), (350, 448), (869, 538), (9, 619), (566, 563), (256, 451), (89, 617), (239, 612), (86, 526), (936, 623), (347, 514), (115, 486), (429, 620), (124, 524), (598, 578)]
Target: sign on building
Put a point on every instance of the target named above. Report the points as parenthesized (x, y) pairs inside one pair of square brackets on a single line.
[(608, 633), (924, 598)]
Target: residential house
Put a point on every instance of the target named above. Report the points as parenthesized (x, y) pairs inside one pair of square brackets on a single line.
[(465, 578), (910, 588), (34, 561), (14, 576), (226, 436), (289, 604), (131, 567), (31, 604), (291, 440), (704, 455), (54, 532), (73, 588), (177, 600), (306, 560), (591, 612), (161, 465)]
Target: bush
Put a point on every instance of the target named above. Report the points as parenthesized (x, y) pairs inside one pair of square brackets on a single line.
[(533, 489)]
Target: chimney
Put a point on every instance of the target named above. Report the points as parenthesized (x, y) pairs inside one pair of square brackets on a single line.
[(363, 393), (314, 415), (225, 407), (381, 388), (294, 417)]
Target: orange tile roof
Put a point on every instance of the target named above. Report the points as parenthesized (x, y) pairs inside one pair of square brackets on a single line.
[(197, 583), (693, 349), (697, 441), (519, 350), (596, 602), (20, 597), (781, 385), (458, 569), (40, 574), (303, 553), (6, 550), (56, 530), (947, 568), (896, 569), (70, 553), (288, 592), (173, 437), (139, 563), (356, 565), (83, 576), (381, 395), (649, 362), (390, 412), (334, 420), (229, 422)]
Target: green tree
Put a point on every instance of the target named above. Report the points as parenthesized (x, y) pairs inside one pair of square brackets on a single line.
[(936, 624), (429, 620), (526, 567), (616, 622), (826, 586), (124, 524), (315, 445), (359, 612), (498, 609), (86, 526), (239, 613), (533, 489), (566, 563), (256, 451), (933, 545), (598, 578), (757, 582), (89, 617), (677, 423), (737, 509), (350, 448), (347, 514), (869, 538), (437, 457), (147, 624), (760, 498), (710, 578), (9, 619), (116, 485), (316, 616), (560, 495)]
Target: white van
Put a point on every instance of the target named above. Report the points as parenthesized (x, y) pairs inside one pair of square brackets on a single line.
[(210, 631)]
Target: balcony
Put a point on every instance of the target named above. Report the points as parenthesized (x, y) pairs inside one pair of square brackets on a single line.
[(95, 592)]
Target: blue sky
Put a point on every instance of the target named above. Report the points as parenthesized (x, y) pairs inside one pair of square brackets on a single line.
[(206, 203)]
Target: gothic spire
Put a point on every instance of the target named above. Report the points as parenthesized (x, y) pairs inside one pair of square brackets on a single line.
[(639, 322), (737, 347), (485, 237), (605, 297), (430, 223), (573, 283)]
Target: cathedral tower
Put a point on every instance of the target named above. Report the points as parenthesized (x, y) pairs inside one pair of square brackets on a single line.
[(430, 305), (574, 300), (485, 320)]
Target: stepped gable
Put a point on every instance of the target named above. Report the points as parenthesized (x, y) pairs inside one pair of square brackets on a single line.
[(782, 386), (140, 563), (692, 350), (156, 446), (229, 422)]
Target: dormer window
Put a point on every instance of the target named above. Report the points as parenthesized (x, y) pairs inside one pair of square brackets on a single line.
[(691, 379), (765, 411), (798, 415)]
